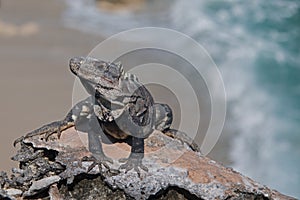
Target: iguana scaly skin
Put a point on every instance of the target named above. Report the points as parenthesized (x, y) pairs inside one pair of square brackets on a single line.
[(118, 105)]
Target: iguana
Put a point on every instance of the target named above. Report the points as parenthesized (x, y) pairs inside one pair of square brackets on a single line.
[(119, 106)]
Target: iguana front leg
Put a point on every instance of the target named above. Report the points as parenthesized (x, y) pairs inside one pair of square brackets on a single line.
[(95, 146), (138, 121), (75, 115), (134, 161), (49, 129)]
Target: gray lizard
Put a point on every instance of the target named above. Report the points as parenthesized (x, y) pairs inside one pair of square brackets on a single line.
[(119, 106)]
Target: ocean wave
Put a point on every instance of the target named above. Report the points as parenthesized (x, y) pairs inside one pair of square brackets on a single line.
[(253, 44)]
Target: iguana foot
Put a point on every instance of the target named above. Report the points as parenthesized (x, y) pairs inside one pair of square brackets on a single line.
[(47, 130), (97, 160), (133, 162)]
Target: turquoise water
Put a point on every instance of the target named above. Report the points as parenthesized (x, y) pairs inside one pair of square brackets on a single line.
[(256, 45)]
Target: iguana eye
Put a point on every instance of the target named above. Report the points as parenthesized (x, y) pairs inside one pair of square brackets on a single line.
[(100, 65)]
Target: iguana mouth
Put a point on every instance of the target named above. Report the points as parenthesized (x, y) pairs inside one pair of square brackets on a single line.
[(106, 79)]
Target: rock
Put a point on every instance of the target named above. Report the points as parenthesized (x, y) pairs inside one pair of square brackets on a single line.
[(53, 169), (41, 185), (13, 192)]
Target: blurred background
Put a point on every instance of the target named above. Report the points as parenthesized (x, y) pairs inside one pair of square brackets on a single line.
[(255, 45)]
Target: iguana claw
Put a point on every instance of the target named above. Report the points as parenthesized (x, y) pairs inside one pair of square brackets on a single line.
[(133, 163), (101, 159)]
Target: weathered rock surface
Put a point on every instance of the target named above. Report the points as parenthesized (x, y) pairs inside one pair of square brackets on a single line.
[(54, 169)]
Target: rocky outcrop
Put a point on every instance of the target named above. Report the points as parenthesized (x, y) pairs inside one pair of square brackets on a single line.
[(53, 169)]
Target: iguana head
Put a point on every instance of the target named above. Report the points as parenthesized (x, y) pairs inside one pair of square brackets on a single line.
[(95, 73)]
